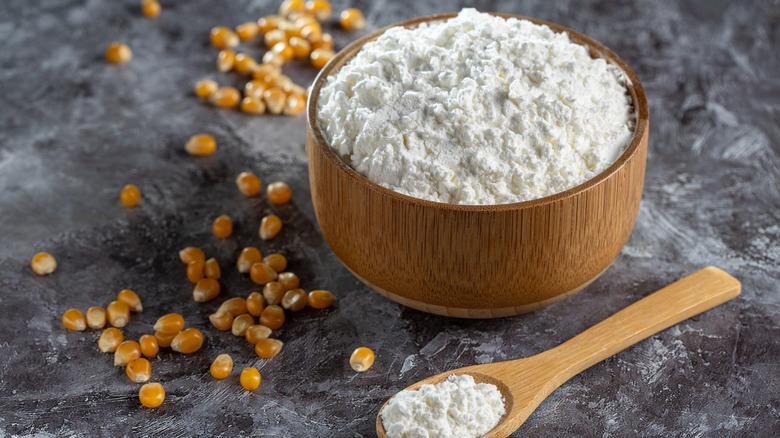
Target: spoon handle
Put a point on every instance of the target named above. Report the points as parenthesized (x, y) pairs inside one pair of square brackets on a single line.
[(676, 302)]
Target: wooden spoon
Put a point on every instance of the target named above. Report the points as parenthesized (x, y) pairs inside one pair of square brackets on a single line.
[(524, 383)]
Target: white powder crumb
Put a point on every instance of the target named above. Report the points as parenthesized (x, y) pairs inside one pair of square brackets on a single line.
[(477, 109), (454, 408)]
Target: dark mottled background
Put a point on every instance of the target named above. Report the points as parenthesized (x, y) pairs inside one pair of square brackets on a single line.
[(74, 130)]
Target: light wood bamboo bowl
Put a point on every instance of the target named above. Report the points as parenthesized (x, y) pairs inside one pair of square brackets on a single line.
[(476, 261)]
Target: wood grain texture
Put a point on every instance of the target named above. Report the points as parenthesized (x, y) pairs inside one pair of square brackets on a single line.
[(526, 382), (476, 261)]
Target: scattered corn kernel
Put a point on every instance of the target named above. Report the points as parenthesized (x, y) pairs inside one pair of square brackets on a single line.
[(236, 306), (190, 254), (277, 262), (273, 293), (249, 184), (279, 193), (250, 379), (362, 359), (221, 320), (300, 47), (320, 57), (139, 370), (241, 323), (289, 281), (212, 269), (222, 227), (118, 313), (272, 317), (130, 298), (248, 30), (110, 339), (311, 31), (96, 317), (151, 395), (321, 299), (289, 6), (245, 64), (226, 60), (126, 352), (273, 37), (269, 23), (267, 348), (222, 366), (256, 332), (188, 341), (262, 274), (226, 97), (264, 72), (201, 145), (273, 58), (325, 41), (118, 53), (319, 8), (164, 339), (205, 88), (130, 196), (150, 8), (206, 290), (223, 38), (252, 105), (270, 226), (73, 319), (43, 263), (254, 89), (149, 345), (284, 50), (295, 104), (248, 257), (195, 271), (255, 303), (171, 323), (295, 89), (275, 99), (352, 19), (295, 300)]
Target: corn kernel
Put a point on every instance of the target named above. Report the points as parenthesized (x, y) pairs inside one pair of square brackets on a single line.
[(248, 257), (247, 31), (151, 395), (222, 366), (270, 226), (139, 370), (273, 37), (195, 271), (226, 97), (226, 60), (254, 89), (362, 359), (320, 57), (250, 379), (256, 332), (130, 196), (272, 317), (295, 300), (221, 320), (250, 185), (273, 58), (267, 348), (279, 193), (277, 262), (223, 38), (294, 105), (43, 263), (264, 73), (171, 323), (74, 320), (251, 105), (110, 339), (130, 298), (321, 299), (150, 8), (244, 64), (269, 23), (96, 317), (319, 8), (118, 313), (284, 50), (241, 323), (293, 88), (191, 254), (212, 269), (236, 306), (201, 145), (279, 81), (273, 293), (206, 290), (118, 53), (149, 345), (324, 41), (289, 281), (311, 31), (352, 19), (126, 352), (289, 6), (188, 341), (164, 339), (222, 227), (255, 303)]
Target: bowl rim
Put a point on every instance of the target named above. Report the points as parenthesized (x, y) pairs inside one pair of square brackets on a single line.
[(596, 49)]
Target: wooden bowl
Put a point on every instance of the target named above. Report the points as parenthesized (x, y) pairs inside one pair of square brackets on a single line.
[(476, 261)]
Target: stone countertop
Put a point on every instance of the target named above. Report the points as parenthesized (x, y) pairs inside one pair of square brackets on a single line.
[(74, 130)]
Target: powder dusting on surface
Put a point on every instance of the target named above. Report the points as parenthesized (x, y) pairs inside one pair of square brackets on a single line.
[(476, 110)]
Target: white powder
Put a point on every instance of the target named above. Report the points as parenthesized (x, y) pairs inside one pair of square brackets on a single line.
[(454, 408), (476, 110)]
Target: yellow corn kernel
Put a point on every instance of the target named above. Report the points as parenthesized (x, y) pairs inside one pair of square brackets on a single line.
[(273, 293), (301, 20), (273, 37), (226, 60), (73, 319), (362, 359), (96, 317), (150, 8), (139, 370), (300, 47), (352, 19), (256, 332), (252, 105), (250, 185), (164, 339), (273, 58), (247, 31), (205, 88), (126, 352), (248, 257), (289, 281), (151, 395), (118, 313), (236, 306), (267, 348), (206, 290), (279, 81), (284, 50), (255, 303), (221, 320), (245, 64), (226, 97), (324, 41), (295, 300), (110, 339), (311, 31), (292, 88), (171, 323), (289, 6), (212, 269), (321, 299), (222, 227), (269, 23), (130, 298), (295, 104), (262, 274), (250, 379), (149, 345), (264, 73), (191, 254), (319, 8), (195, 271), (222, 366), (130, 195), (277, 262), (320, 57), (270, 226), (241, 323), (279, 193), (118, 53), (254, 89), (188, 341), (223, 37), (272, 317), (43, 263), (201, 145)]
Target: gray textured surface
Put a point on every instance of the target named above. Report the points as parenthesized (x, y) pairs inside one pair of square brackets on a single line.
[(73, 130)]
